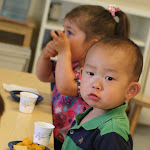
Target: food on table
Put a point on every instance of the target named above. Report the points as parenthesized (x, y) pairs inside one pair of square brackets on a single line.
[(27, 144), (18, 95), (20, 143), (19, 147)]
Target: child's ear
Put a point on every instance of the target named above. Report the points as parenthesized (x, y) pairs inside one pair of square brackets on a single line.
[(133, 90)]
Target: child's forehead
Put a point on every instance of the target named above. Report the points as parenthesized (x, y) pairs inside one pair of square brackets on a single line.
[(105, 55), (70, 23), (106, 50), (110, 55), (77, 20)]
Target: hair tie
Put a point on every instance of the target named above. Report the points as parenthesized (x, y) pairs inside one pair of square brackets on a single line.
[(112, 9)]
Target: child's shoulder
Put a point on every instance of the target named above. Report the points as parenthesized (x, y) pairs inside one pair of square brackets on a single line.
[(116, 125)]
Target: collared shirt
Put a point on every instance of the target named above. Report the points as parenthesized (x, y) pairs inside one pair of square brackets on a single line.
[(109, 131)]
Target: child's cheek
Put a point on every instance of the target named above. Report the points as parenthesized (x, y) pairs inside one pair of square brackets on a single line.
[(84, 89)]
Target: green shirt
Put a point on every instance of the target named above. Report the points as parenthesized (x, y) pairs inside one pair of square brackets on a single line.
[(107, 127)]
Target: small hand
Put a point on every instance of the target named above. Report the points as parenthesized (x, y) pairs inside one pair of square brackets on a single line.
[(60, 42), (49, 50)]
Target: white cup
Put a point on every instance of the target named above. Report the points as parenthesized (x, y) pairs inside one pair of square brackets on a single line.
[(27, 102), (42, 132)]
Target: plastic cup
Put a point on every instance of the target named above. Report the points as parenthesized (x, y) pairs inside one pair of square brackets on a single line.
[(27, 102), (42, 133)]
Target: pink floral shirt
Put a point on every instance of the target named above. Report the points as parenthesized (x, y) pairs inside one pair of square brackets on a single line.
[(65, 108)]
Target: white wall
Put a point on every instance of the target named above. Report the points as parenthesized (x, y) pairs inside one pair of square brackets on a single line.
[(147, 88), (145, 113)]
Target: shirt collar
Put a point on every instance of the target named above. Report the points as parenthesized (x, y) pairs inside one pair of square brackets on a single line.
[(118, 112)]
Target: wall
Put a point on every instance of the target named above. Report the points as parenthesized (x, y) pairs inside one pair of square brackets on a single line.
[(145, 113), (36, 9)]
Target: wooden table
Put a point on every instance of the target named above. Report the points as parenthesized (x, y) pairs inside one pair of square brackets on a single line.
[(15, 125)]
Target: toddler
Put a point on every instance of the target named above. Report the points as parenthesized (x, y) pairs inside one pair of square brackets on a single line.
[(83, 26), (110, 76)]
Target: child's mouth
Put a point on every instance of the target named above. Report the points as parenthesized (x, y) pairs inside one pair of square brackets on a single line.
[(94, 97)]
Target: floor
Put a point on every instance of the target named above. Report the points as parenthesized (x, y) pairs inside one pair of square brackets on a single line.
[(141, 138)]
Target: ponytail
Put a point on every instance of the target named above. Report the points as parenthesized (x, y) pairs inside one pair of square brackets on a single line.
[(123, 26)]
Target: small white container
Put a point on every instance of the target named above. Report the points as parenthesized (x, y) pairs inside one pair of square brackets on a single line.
[(55, 11), (42, 132), (27, 102)]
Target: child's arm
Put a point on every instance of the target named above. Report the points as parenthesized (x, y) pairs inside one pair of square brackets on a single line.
[(64, 75), (44, 65)]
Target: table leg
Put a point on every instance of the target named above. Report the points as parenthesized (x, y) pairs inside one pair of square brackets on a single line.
[(133, 119)]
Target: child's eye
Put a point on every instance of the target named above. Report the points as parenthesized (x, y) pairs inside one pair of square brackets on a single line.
[(90, 73), (109, 78), (68, 33)]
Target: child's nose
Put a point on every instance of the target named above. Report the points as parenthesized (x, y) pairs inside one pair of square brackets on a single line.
[(97, 85)]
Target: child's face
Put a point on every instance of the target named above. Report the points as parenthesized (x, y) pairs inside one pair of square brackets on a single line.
[(105, 79), (77, 41)]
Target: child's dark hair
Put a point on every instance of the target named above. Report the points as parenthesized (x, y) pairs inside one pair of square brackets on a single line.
[(1, 106), (128, 47), (97, 22)]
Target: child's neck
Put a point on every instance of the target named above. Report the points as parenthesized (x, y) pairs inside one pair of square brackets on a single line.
[(92, 114)]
